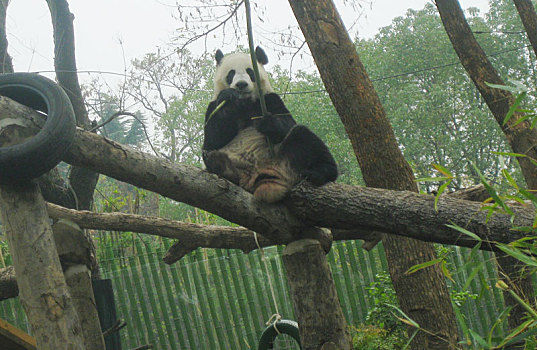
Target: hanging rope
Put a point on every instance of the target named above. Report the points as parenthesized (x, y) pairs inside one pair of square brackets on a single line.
[(275, 317), (252, 56)]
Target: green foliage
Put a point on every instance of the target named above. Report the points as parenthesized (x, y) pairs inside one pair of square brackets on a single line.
[(369, 337), (381, 313)]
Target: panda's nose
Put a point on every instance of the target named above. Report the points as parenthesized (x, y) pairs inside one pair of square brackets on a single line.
[(241, 85)]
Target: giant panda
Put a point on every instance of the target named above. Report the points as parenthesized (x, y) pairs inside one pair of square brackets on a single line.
[(267, 155)]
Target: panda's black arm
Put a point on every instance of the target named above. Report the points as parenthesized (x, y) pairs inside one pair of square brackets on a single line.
[(279, 122), (220, 127)]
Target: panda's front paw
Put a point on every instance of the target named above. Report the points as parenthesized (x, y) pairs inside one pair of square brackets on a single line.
[(269, 127), (228, 95)]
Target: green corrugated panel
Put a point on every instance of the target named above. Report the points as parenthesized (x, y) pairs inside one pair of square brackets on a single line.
[(364, 270), (461, 277), (280, 284), (157, 272), (247, 280), (211, 293), (258, 276), (203, 303), (141, 305), (351, 293), (494, 300), (170, 295), (150, 294), (194, 311), (218, 272), (187, 317), (129, 340), (359, 284), (382, 254), (233, 300), (133, 327), (247, 322)]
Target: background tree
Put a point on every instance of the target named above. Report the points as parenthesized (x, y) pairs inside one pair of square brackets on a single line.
[(520, 136), (382, 165)]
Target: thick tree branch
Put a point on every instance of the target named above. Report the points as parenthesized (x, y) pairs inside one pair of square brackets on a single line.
[(82, 181), (186, 184), (521, 137), (527, 14), (6, 66), (191, 236), (404, 213), (334, 205)]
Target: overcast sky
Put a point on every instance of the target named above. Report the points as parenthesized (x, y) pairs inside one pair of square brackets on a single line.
[(144, 25)]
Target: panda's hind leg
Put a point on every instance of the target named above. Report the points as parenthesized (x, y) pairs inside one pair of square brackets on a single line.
[(308, 155), (218, 163)]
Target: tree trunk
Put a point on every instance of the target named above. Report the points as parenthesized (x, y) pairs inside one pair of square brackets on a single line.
[(527, 14), (82, 180), (321, 321), (382, 165), (43, 291), (521, 137), (6, 66)]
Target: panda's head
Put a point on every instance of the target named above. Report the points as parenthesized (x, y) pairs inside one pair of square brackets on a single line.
[(235, 71)]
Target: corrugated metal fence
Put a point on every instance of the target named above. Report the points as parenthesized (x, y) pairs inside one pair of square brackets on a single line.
[(221, 299)]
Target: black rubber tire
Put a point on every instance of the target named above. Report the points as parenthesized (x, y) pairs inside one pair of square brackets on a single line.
[(44, 151), (266, 342)]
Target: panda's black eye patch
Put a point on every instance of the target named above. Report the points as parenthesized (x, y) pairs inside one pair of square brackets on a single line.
[(229, 76), (251, 74)]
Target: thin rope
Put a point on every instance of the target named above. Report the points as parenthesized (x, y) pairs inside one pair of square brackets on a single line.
[(275, 317), (253, 58)]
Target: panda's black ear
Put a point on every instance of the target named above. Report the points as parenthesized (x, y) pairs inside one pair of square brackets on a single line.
[(261, 55), (218, 55)]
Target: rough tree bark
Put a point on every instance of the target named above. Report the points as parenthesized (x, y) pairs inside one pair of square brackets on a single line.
[(394, 212), (422, 296), (6, 66), (332, 205), (82, 180), (313, 291), (43, 291), (75, 252), (527, 14), (521, 137)]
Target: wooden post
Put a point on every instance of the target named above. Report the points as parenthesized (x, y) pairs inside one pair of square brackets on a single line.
[(320, 318), (43, 291), (75, 252)]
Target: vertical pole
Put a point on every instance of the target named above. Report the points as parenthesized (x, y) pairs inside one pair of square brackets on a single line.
[(321, 321), (43, 290)]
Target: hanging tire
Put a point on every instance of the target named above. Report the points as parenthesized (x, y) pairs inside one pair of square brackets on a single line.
[(266, 342), (42, 152)]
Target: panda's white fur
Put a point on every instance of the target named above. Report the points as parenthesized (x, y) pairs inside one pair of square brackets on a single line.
[(240, 62), (249, 151), (265, 155)]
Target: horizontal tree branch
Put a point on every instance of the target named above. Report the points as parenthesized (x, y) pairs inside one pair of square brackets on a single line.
[(406, 213), (333, 205), (186, 184), (191, 236)]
